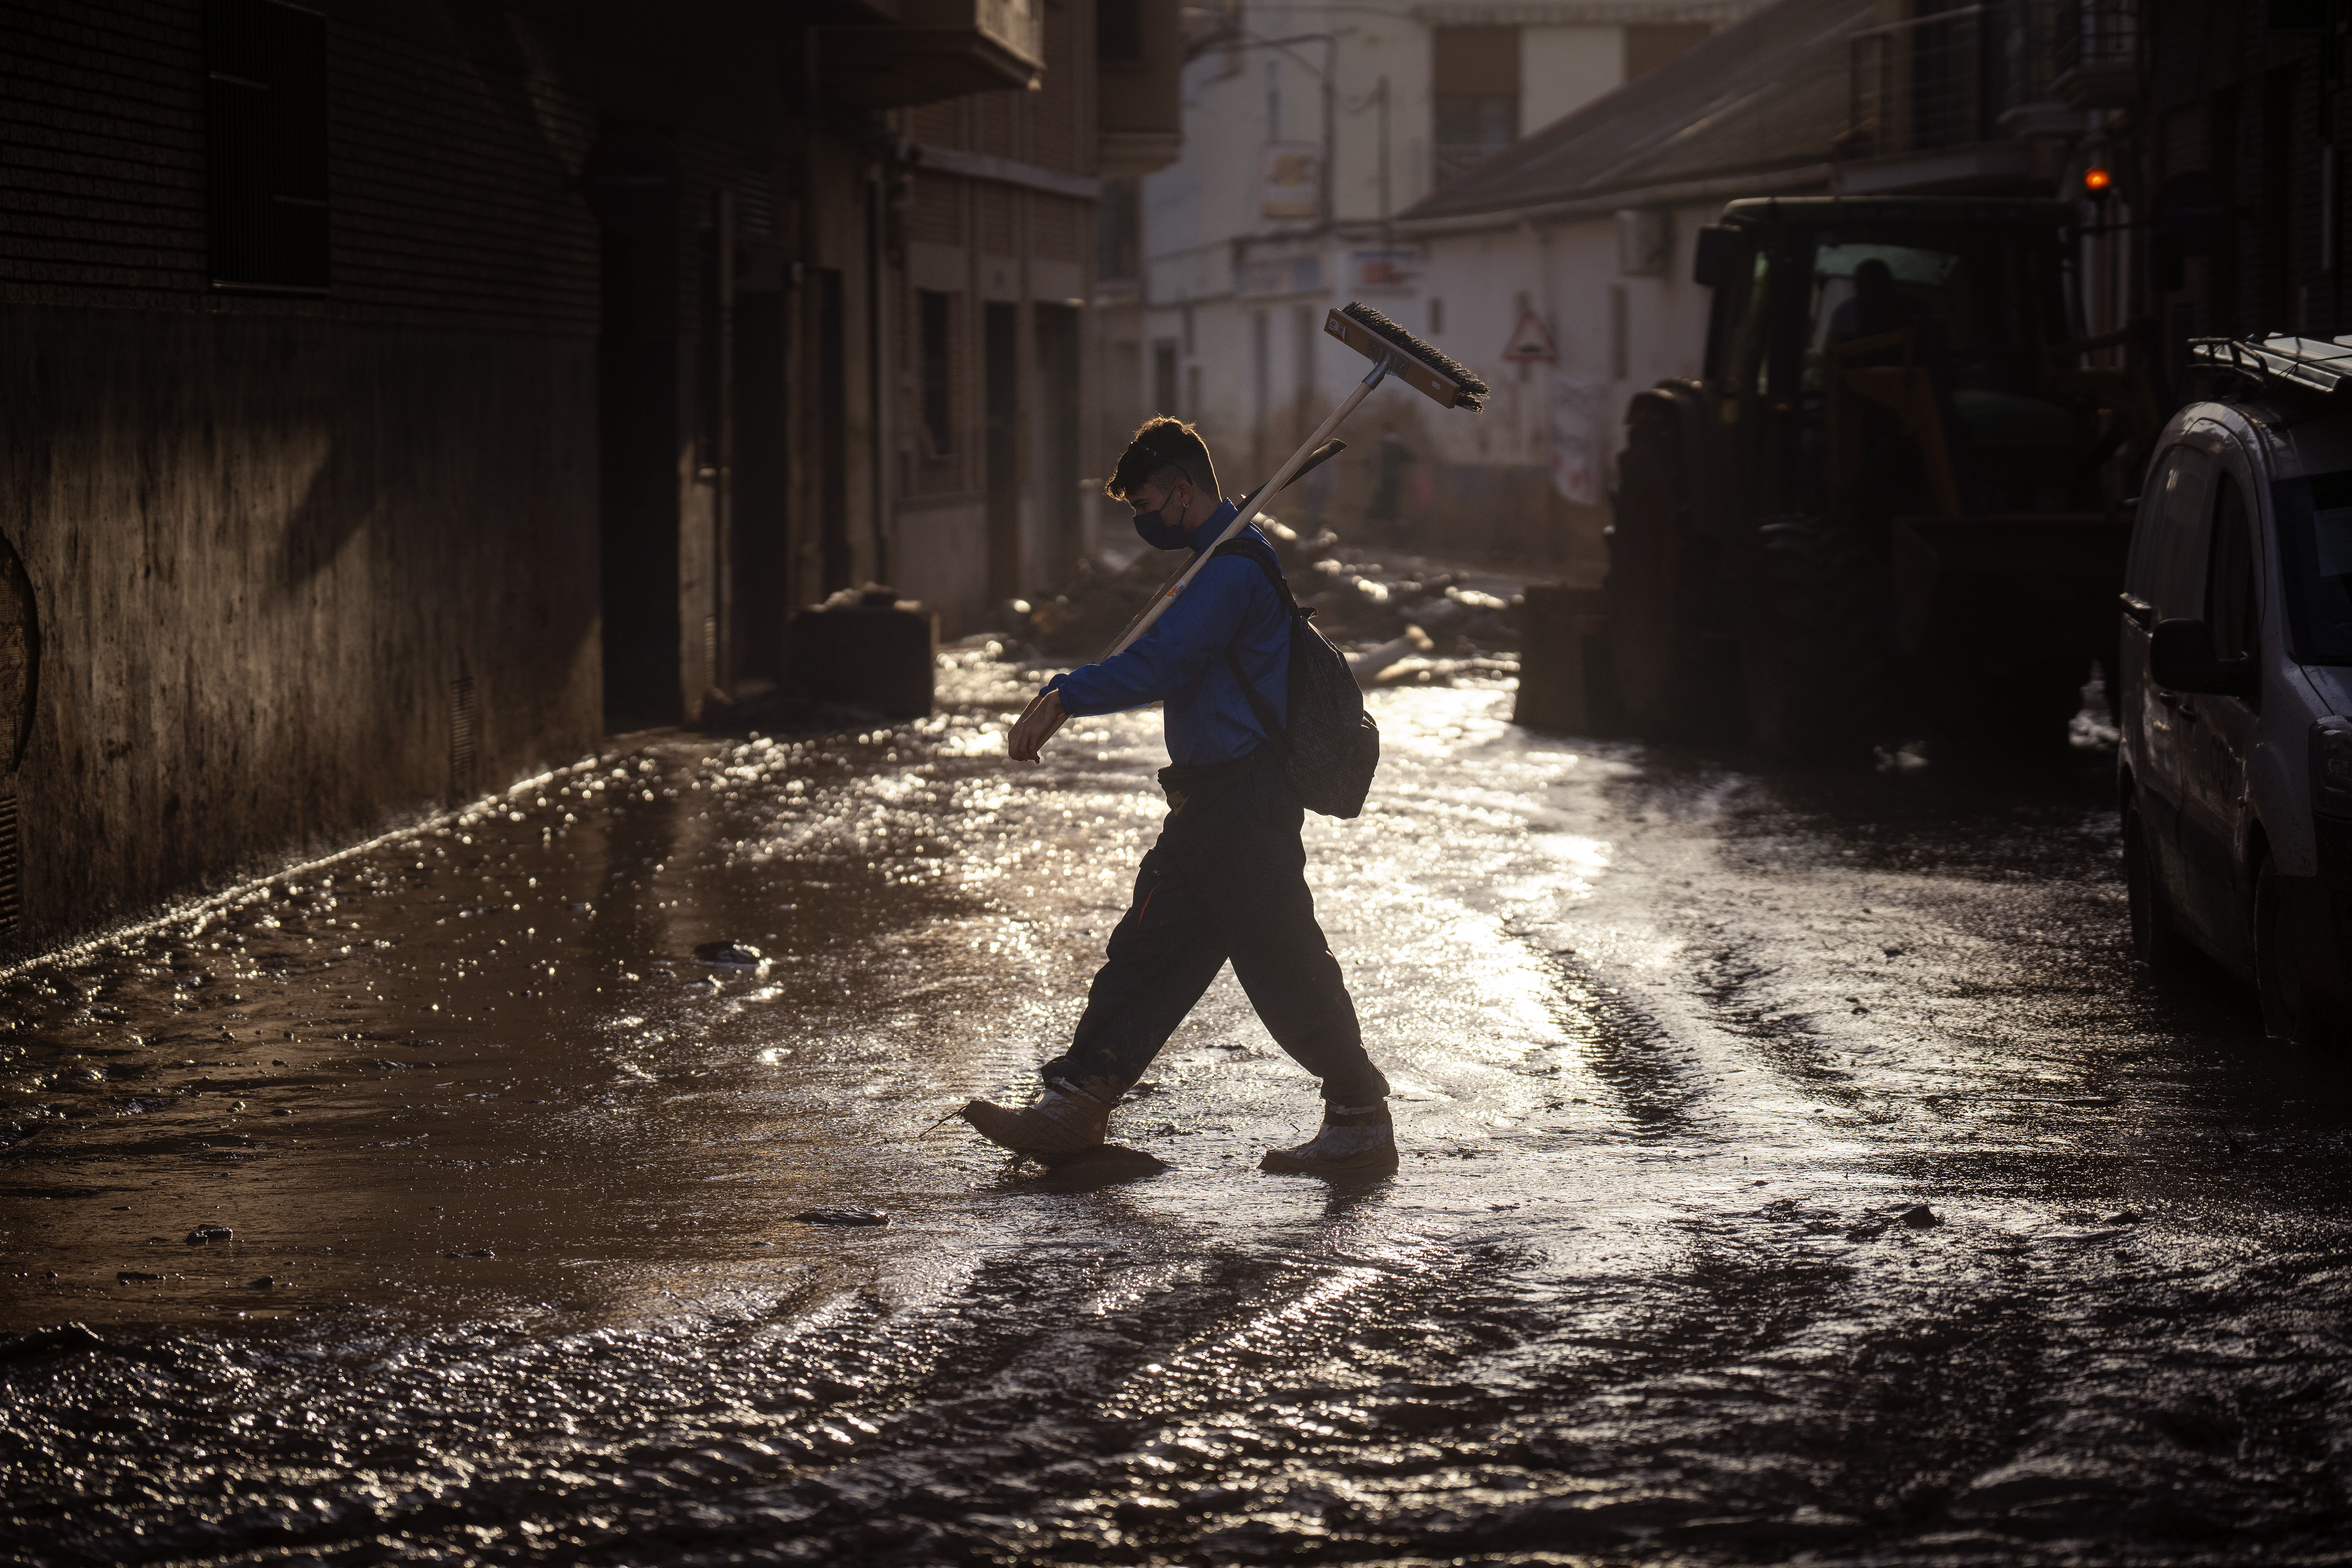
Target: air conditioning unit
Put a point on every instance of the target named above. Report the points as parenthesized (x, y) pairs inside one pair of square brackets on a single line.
[(1645, 242)]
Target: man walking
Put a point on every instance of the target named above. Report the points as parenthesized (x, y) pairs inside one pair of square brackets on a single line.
[(1228, 878)]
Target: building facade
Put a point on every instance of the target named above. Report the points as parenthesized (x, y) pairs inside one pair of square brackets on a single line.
[(998, 426), (2238, 168), (1309, 129), (402, 395), (1590, 223)]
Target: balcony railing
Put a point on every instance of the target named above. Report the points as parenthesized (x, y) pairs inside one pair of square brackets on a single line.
[(1920, 85), (1449, 160), (939, 48), (2096, 51)]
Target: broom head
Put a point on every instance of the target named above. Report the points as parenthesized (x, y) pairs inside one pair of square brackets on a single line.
[(1417, 363)]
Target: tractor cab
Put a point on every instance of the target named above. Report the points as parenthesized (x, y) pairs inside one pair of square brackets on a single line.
[(1898, 460)]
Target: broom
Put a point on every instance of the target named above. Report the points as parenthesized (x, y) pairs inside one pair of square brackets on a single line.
[(1393, 350)]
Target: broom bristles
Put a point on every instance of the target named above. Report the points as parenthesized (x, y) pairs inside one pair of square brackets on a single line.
[(1473, 391)]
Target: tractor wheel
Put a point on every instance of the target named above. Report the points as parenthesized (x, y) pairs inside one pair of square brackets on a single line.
[(1815, 662), (1654, 639)]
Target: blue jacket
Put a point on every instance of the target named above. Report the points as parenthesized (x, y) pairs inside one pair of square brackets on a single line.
[(1181, 660)]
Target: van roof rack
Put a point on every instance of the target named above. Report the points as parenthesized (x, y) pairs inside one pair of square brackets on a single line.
[(2320, 365)]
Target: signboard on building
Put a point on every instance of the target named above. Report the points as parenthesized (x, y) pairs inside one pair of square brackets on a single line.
[(1290, 181), (1281, 275), (1398, 267), (1576, 439)]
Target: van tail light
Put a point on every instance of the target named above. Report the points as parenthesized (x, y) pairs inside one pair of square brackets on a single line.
[(2331, 767)]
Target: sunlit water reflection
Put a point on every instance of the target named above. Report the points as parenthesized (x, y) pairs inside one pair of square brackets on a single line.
[(1675, 1047)]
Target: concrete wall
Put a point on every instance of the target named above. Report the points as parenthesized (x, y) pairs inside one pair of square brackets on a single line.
[(263, 549), (1563, 68), (1570, 275), (265, 535), (309, 557), (1000, 213)]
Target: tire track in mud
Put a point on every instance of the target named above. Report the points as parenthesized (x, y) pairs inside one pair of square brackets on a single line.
[(1633, 1296)]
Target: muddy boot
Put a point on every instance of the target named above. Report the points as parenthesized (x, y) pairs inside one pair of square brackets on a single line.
[(1355, 1140), (1063, 1120)]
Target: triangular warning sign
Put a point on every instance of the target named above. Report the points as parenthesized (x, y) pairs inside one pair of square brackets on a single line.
[(1531, 340)]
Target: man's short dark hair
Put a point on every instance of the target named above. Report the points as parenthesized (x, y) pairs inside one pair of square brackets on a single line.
[(1162, 453)]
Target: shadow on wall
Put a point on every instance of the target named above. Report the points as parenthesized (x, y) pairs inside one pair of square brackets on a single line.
[(272, 554)]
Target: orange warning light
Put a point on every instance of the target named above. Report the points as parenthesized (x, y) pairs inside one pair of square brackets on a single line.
[(2096, 183)]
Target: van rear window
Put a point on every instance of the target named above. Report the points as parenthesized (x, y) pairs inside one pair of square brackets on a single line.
[(2314, 523)]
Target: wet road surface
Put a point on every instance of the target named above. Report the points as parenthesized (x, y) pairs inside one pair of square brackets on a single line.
[(509, 1176)]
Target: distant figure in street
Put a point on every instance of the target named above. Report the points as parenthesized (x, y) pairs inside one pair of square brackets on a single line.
[(1388, 488), (1228, 878), (1318, 485)]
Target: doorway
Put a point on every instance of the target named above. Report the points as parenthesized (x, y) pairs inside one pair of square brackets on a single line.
[(830, 333), (1001, 372), (637, 369), (761, 571), (1058, 437)]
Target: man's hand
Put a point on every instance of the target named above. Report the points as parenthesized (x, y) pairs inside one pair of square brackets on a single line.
[(1037, 724)]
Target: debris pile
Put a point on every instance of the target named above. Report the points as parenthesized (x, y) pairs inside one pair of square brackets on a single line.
[(1404, 625)]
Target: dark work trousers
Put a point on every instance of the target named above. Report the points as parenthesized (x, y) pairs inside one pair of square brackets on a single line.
[(1226, 881)]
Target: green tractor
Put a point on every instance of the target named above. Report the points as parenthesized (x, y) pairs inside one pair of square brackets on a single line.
[(1897, 504)]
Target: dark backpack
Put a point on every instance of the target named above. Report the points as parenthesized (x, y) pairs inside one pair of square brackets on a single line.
[(1331, 745)]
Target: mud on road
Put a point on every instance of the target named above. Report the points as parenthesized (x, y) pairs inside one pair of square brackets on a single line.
[(1796, 1171)]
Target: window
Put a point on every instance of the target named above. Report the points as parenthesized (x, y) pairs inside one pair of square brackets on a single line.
[(1726, 315), (1989, 303), (1436, 315), (2314, 524), (1121, 229), (1163, 376), (1747, 327), (266, 145), (2230, 602), (1475, 96), (755, 204), (1118, 31), (2166, 575), (2147, 542), (938, 312)]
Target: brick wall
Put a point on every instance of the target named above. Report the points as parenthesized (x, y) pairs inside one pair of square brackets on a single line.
[(267, 536), (454, 197)]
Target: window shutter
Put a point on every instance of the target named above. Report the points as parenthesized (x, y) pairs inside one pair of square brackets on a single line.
[(266, 145)]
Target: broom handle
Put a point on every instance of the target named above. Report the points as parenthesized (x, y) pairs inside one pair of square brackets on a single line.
[(1313, 459), (1241, 520)]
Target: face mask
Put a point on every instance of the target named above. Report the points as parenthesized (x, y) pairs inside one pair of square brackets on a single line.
[(1155, 529)]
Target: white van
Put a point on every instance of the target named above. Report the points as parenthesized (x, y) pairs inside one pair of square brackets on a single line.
[(2236, 697)]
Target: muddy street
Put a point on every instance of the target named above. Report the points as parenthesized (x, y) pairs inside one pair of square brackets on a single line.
[(1794, 1168)]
